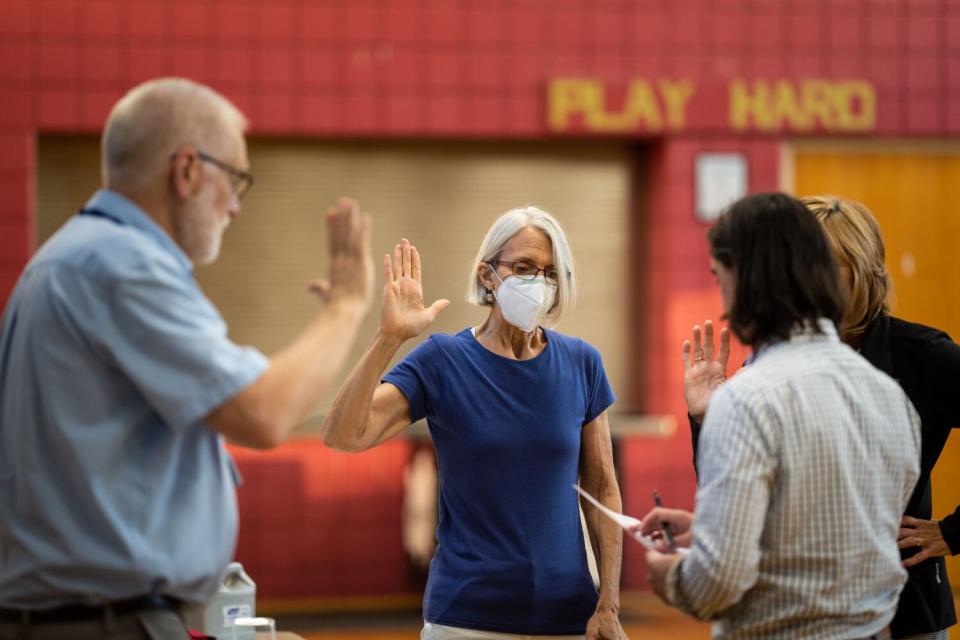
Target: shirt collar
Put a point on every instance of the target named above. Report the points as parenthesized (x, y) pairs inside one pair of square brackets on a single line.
[(130, 214), (800, 334)]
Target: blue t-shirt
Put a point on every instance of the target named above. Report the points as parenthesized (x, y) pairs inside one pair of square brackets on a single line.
[(510, 556)]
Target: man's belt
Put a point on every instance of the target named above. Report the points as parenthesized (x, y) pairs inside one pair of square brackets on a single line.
[(80, 612)]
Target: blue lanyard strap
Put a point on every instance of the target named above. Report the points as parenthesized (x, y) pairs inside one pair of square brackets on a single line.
[(100, 213)]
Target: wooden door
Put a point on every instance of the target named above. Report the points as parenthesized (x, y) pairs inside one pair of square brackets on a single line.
[(914, 191)]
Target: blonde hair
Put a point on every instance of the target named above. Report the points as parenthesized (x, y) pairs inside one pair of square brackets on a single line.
[(507, 226), (855, 236), (156, 118)]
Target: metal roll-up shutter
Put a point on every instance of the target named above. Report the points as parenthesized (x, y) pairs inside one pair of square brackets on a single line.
[(441, 195)]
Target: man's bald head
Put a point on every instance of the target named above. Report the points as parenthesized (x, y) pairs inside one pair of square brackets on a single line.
[(154, 120)]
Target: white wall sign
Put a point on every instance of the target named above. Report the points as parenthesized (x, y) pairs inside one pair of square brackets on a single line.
[(720, 179)]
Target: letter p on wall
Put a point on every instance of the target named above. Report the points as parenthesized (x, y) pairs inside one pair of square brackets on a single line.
[(569, 97)]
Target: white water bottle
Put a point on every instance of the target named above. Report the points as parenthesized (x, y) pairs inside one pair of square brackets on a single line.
[(236, 598)]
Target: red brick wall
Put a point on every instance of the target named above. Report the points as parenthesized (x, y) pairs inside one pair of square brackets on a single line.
[(473, 68)]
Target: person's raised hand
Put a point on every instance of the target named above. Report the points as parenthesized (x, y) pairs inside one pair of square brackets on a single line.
[(349, 282), (702, 372), (404, 314)]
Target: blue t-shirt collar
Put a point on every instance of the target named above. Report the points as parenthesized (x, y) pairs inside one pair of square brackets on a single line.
[(126, 212)]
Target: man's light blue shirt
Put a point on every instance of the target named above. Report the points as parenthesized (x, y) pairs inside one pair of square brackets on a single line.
[(110, 357)]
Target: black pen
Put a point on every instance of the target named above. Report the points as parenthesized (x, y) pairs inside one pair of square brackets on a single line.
[(666, 526)]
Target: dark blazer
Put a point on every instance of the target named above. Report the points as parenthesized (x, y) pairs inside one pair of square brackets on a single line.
[(926, 363)]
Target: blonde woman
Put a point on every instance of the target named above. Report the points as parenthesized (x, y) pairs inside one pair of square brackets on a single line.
[(517, 413), (926, 363)]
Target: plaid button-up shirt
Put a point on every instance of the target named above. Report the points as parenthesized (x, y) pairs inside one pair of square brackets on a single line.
[(807, 459)]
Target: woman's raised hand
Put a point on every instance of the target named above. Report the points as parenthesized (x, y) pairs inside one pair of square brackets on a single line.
[(403, 313), (702, 374)]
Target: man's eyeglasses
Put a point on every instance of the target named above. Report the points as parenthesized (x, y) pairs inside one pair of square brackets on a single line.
[(240, 180), (526, 271)]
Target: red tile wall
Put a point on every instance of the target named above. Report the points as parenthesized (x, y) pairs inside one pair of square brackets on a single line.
[(472, 68), (319, 523), (679, 292)]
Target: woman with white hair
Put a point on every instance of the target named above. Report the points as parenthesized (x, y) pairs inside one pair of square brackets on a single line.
[(517, 413)]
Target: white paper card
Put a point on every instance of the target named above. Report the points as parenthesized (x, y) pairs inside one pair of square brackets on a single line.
[(626, 522)]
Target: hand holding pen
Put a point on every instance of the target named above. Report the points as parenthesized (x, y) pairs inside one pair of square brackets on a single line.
[(678, 521), (667, 534)]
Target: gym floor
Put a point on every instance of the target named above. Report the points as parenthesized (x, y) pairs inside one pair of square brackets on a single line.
[(643, 616)]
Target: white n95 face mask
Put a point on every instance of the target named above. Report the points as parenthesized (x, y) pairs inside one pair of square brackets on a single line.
[(524, 303)]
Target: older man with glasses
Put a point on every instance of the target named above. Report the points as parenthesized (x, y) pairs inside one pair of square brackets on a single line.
[(118, 383)]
